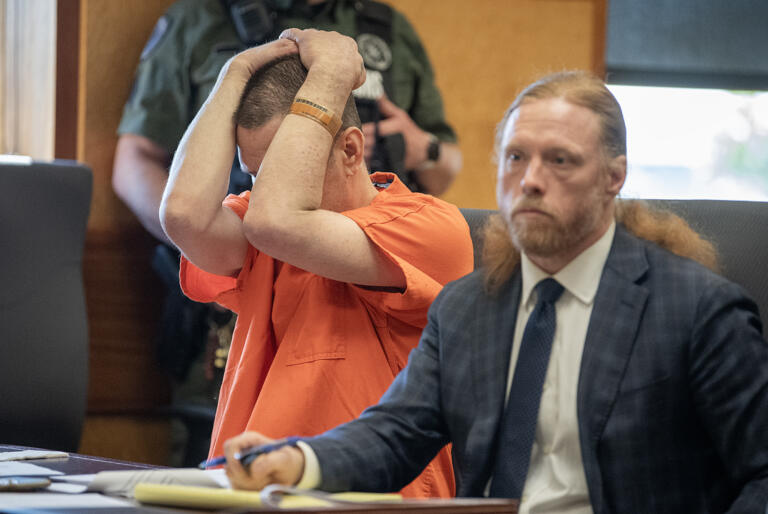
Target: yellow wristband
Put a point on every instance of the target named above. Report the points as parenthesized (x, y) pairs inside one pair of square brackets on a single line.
[(317, 112)]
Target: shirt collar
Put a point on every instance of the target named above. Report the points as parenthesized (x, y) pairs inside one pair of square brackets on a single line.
[(389, 182), (580, 277)]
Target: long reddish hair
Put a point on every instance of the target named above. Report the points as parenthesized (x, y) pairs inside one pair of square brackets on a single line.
[(501, 257), (660, 226)]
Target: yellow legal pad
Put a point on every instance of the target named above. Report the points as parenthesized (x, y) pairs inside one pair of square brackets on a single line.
[(213, 498)]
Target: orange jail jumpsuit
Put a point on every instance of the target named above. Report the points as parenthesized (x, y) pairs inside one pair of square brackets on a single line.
[(309, 353)]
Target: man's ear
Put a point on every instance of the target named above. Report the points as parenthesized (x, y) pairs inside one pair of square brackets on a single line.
[(352, 149), (617, 174)]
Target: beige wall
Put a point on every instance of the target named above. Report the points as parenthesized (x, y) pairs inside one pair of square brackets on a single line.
[(483, 52)]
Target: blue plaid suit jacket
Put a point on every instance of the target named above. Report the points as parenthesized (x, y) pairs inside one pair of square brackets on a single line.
[(672, 395)]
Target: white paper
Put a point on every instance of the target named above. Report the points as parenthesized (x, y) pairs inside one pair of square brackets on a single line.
[(76, 479), (65, 487), (70, 484), (122, 482), (14, 468), (31, 454), (220, 476), (59, 501)]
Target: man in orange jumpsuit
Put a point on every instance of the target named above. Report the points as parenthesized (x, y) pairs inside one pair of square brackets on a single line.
[(330, 270)]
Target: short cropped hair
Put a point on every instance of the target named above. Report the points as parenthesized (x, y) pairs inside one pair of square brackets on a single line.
[(582, 89), (270, 92)]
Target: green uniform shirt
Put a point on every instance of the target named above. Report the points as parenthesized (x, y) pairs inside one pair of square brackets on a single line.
[(193, 40)]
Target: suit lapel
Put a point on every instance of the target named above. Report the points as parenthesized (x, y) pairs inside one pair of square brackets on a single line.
[(491, 347), (616, 314)]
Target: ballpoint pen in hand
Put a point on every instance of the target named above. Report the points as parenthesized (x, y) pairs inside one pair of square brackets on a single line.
[(248, 455)]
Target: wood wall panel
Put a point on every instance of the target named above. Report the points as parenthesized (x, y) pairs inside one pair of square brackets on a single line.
[(67, 59), (113, 35), (484, 52), (123, 302), (122, 297), (129, 437)]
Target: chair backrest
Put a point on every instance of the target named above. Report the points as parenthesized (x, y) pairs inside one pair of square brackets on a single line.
[(739, 231), (43, 326), (476, 219)]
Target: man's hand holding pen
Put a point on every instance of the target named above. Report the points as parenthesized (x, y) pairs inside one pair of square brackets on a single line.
[(276, 462)]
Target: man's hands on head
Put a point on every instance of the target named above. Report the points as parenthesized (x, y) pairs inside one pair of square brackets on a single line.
[(245, 64), (330, 53), (191, 213), (284, 466), (294, 212)]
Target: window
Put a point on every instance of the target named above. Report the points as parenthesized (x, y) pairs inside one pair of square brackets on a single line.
[(695, 143), (710, 142)]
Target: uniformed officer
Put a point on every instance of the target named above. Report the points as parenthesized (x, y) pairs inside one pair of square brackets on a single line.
[(406, 132), (194, 38)]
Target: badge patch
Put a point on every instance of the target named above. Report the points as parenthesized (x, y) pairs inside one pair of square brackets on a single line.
[(161, 28), (375, 51), (373, 88)]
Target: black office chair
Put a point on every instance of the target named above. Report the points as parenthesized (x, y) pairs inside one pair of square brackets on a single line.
[(736, 228), (43, 326)]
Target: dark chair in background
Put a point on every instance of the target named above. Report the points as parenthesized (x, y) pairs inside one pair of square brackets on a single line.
[(739, 231), (476, 219), (43, 326)]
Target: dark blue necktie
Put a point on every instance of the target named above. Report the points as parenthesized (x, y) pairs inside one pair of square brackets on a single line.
[(519, 423)]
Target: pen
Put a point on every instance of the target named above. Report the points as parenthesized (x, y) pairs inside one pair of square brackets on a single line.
[(248, 455)]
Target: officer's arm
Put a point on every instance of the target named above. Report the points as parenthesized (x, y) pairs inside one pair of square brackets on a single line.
[(434, 176), (139, 177)]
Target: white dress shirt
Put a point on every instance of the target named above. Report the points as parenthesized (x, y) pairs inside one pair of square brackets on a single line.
[(556, 482)]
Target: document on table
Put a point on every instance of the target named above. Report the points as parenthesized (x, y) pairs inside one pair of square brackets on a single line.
[(32, 454), (273, 496), (190, 487), (122, 483), (59, 501), (15, 468)]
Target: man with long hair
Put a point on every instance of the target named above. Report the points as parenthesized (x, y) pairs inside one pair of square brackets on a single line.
[(583, 369)]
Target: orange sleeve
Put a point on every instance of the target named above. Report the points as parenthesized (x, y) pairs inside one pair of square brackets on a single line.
[(204, 287), (427, 238)]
